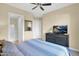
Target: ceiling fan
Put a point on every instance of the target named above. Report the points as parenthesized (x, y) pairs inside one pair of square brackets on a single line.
[(40, 5)]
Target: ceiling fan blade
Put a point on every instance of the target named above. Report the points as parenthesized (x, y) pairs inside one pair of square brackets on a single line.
[(42, 8), (34, 3), (46, 4), (34, 7)]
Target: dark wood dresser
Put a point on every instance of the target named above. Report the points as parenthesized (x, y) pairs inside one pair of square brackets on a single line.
[(60, 39)]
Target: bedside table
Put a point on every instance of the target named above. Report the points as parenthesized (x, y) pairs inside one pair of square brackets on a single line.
[(1, 46)]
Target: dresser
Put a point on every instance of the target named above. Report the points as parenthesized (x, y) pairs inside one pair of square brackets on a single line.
[(60, 39)]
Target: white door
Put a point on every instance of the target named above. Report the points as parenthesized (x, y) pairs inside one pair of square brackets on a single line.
[(13, 35), (16, 27), (21, 29)]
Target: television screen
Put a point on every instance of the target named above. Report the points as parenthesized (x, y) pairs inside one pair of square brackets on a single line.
[(60, 29)]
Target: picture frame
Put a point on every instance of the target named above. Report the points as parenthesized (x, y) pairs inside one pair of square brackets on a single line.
[(28, 25)]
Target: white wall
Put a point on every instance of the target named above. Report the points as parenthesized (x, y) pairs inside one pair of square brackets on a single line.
[(68, 15), (29, 34), (57, 19)]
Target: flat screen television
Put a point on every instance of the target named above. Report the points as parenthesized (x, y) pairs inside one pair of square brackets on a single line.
[(60, 29)]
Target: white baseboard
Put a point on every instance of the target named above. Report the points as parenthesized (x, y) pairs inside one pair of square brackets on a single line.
[(74, 49)]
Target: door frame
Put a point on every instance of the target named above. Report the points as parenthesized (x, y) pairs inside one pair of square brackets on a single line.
[(21, 17)]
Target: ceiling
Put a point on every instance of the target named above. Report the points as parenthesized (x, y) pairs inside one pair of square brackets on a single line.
[(38, 12)]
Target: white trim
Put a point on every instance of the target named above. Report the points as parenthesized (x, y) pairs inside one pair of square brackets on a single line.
[(74, 49)]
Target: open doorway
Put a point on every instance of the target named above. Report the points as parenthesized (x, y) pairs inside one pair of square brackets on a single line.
[(15, 27)]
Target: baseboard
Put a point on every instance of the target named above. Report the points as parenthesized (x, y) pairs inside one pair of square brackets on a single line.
[(74, 49)]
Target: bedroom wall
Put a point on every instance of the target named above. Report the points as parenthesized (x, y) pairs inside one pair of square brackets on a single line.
[(4, 9), (29, 34), (65, 16)]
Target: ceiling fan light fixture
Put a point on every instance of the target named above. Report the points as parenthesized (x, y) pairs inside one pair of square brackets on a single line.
[(40, 5)]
